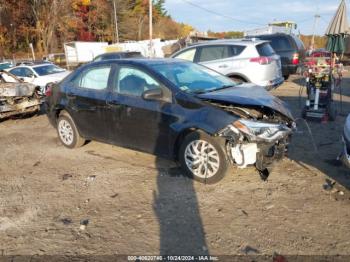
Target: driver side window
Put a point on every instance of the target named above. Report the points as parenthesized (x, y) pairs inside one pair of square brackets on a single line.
[(134, 82), (18, 72)]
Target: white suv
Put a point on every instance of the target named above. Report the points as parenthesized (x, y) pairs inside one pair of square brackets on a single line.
[(244, 60), (39, 74)]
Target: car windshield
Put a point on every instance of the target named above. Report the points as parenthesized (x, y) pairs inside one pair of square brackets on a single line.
[(48, 70), (193, 78)]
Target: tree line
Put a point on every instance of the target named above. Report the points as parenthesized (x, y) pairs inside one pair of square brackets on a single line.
[(50, 23)]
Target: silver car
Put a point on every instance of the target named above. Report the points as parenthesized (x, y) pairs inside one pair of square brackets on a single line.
[(244, 60)]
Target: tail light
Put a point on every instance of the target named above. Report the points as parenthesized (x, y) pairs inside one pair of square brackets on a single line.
[(48, 90), (295, 60), (262, 60)]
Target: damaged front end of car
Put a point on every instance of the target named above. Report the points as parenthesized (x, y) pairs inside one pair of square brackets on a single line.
[(18, 99), (259, 137)]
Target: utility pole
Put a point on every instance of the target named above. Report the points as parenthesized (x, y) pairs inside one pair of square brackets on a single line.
[(150, 28), (116, 22), (314, 27)]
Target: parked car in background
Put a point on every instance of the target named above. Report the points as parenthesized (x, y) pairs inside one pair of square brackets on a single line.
[(291, 50), (17, 97), (172, 108), (345, 156), (245, 60), (5, 65), (320, 53), (39, 74), (117, 55)]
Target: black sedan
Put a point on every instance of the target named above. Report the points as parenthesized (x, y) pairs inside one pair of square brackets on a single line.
[(174, 109)]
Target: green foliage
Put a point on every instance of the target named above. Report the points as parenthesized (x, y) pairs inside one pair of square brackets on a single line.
[(50, 23), (159, 6)]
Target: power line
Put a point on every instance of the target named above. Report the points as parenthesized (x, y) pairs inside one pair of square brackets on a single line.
[(305, 20), (218, 14)]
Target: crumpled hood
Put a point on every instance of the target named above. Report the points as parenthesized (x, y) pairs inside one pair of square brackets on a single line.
[(249, 95), (16, 89)]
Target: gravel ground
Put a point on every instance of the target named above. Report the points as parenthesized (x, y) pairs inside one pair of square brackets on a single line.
[(101, 199)]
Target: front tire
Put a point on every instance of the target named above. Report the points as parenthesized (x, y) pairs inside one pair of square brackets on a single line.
[(68, 132), (203, 158)]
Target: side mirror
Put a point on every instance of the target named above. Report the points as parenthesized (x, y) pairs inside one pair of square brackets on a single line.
[(31, 75), (153, 94)]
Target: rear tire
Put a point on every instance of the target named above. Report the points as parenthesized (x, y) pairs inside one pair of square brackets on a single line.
[(203, 158), (238, 79), (68, 133), (332, 112)]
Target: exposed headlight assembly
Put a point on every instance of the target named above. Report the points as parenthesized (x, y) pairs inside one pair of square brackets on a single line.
[(261, 131)]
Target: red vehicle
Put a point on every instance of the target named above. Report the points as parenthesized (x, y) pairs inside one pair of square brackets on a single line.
[(317, 57)]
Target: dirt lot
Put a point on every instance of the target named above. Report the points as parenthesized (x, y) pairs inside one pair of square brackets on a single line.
[(136, 203)]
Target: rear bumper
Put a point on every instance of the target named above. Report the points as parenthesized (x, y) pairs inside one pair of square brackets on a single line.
[(289, 69), (51, 114), (272, 83)]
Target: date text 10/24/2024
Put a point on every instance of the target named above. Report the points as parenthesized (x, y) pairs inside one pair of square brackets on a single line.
[(172, 258)]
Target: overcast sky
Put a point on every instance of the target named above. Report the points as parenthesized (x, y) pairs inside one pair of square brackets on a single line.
[(252, 13)]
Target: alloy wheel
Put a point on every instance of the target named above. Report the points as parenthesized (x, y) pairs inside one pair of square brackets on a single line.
[(202, 159), (65, 131)]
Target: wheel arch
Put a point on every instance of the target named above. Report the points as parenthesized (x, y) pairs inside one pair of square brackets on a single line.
[(240, 76), (188, 131), (180, 138)]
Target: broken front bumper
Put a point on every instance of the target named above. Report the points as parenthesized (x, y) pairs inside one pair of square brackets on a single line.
[(262, 153)]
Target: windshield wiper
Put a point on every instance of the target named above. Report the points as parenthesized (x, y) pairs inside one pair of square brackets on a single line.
[(219, 88)]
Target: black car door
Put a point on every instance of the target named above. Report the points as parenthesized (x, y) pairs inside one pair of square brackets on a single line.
[(138, 123), (86, 96)]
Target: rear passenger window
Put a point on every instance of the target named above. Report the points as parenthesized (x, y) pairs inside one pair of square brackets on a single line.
[(209, 53), (96, 78), (187, 55), (299, 43), (237, 49), (280, 44), (265, 49)]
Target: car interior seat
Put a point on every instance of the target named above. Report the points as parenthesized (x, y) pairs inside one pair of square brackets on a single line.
[(132, 85)]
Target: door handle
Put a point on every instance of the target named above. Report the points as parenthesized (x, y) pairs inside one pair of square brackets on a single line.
[(223, 66), (114, 103)]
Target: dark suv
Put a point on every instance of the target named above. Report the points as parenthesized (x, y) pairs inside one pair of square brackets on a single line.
[(291, 50)]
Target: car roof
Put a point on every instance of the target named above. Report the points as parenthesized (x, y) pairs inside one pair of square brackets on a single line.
[(38, 65), (241, 41), (33, 65), (275, 35), (118, 53), (142, 61)]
